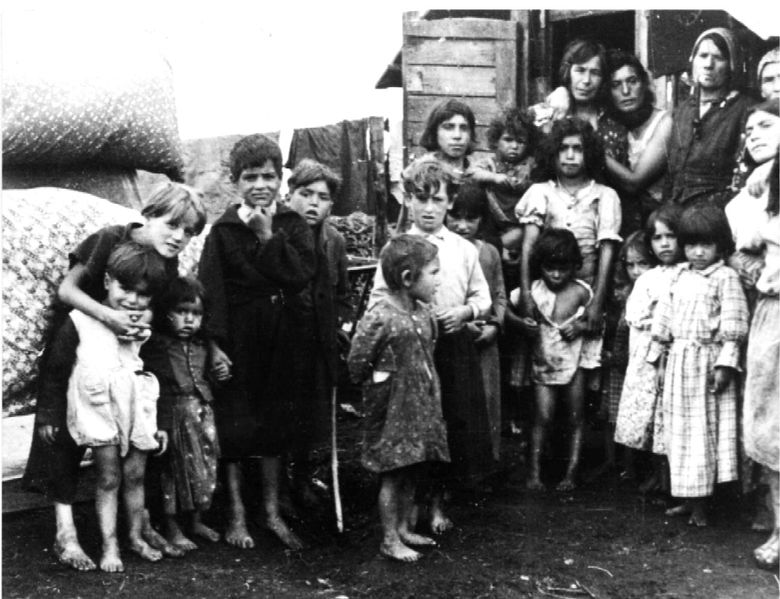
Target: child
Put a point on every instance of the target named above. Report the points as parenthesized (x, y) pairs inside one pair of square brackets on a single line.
[(572, 199), (392, 355), (506, 176), (702, 319), (174, 214), (257, 256), (450, 136), (463, 296), (321, 308), (560, 302), (178, 356), (111, 402), (635, 259), (639, 424), (464, 218)]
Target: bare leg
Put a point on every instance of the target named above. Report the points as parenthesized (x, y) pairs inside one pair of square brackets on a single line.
[(389, 509), (544, 412), (439, 521), (698, 512), (106, 499), (273, 520), (134, 468), (149, 534), (767, 555), (573, 396), (407, 517), (236, 533), (66, 544), (201, 530), (175, 536)]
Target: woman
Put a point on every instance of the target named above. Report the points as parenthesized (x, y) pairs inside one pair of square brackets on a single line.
[(769, 74), (450, 135), (706, 128)]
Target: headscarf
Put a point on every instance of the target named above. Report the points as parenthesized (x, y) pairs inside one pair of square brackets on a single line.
[(772, 56), (737, 67)]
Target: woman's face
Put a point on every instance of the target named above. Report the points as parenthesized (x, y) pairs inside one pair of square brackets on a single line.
[(770, 81), (710, 67), (586, 79), (762, 136), (453, 136), (628, 90)]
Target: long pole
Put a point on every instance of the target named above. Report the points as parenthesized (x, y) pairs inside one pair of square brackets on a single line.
[(334, 461)]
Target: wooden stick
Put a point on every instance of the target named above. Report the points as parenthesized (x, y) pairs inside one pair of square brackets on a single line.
[(334, 461)]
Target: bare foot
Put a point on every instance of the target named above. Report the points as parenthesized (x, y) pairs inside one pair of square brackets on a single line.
[(70, 553), (204, 531), (400, 552), (110, 560), (156, 540), (144, 550), (238, 535), (698, 518), (411, 538), (567, 484), (279, 528), (177, 539), (679, 510), (767, 555), (534, 484), (439, 522)]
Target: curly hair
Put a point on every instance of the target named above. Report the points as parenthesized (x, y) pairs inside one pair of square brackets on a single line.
[(516, 122), (253, 151), (405, 253), (443, 112), (550, 147), (426, 175), (309, 171)]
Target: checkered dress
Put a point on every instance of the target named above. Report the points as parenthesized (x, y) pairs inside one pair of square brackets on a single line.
[(705, 319)]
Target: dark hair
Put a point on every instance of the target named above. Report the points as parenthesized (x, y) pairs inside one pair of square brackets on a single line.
[(309, 171), (180, 290), (706, 223), (470, 201), (405, 252), (138, 267), (555, 247), (253, 151), (424, 177), (773, 199), (639, 242), (592, 147), (442, 112), (180, 201), (517, 123), (616, 60), (772, 106), (579, 51)]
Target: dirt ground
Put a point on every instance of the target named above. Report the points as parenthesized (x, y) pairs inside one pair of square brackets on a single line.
[(604, 540)]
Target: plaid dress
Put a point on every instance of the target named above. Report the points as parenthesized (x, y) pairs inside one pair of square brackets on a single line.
[(704, 319)]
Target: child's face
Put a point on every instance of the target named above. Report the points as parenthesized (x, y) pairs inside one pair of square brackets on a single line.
[(664, 244), (510, 148), (571, 157), (557, 276), (425, 286), (701, 255), (168, 237), (636, 264), (585, 80), (453, 136), (428, 212), (463, 225), (259, 185), (123, 298), (312, 202), (185, 318)]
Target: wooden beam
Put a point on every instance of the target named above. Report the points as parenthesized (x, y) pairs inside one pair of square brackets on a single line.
[(453, 52), (567, 15), (449, 80), (467, 28)]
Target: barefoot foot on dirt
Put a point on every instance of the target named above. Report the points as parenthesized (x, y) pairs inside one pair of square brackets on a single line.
[(110, 560), (177, 539), (238, 535), (145, 551), (439, 522), (399, 552), (201, 530), (70, 553), (156, 540), (286, 536), (566, 485), (411, 538), (767, 554), (536, 485)]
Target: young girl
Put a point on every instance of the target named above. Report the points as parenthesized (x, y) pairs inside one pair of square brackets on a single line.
[(111, 402), (464, 218), (392, 355), (450, 135), (560, 302), (639, 417), (173, 214), (634, 260), (178, 356), (703, 320)]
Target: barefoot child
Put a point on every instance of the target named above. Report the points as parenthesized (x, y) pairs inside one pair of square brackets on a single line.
[(258, 255), (560, 301), (639, 418), (392, 355), (177, 355), (702, 320), (173, 214), (111, 402)]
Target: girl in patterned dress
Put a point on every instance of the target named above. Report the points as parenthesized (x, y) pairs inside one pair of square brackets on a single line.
[(702, 319), (178, 355), (392, 356), (638, 425)]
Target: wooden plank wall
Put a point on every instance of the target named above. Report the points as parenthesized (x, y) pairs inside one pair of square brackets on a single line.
[(474, 60)]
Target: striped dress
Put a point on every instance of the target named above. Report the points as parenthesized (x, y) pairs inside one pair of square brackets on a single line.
[(703, 319)]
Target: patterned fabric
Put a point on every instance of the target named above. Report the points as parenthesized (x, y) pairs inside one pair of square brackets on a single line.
[(404, 424), (704, 318), (105, 96), (613, 364)]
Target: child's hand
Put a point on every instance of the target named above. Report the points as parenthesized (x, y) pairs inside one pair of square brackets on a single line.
[(162, 440), (126, 325), (220, 364), (721, 378), (502, 180), (757, 181), (530, 326), (594, 318), (453, 319), (474, 329), (487, 335), (572, 330), (260, 223), (47, 433)]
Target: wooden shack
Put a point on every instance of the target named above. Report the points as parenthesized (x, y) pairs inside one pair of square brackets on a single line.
[(493, 59)]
